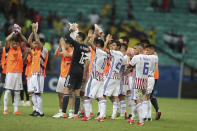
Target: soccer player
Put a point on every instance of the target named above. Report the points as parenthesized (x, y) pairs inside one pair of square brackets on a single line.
[(14, 68), (141, 65), (112, 83), (38, 66), (151, 81), (94, 87), (3, 72), (124, 82), (66, 55), (74, 79)]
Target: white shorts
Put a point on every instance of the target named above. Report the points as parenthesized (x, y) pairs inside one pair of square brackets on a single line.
[(91, 82), (111, 87), (13, 81), (37, 84), (137, 94), (60, 85), (97, 89), (151, 83), (123, 90)]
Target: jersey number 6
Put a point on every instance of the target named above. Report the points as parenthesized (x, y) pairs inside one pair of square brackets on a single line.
[(146, 68)]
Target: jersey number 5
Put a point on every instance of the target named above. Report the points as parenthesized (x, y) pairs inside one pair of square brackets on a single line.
[(146, 68)]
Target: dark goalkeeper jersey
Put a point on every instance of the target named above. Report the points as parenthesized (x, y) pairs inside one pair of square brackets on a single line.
[(80, 55)]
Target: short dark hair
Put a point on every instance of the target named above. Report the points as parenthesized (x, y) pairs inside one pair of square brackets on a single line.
[(42, 40), (82, 35), (150, 46), (125, 38), (117, 42), (99, 41), (145, 41), (125, 46), (16, 38)]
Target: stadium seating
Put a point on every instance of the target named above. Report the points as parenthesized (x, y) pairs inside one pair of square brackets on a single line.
[(179, 19)]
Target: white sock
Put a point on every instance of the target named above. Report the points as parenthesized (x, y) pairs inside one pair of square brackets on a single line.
[(102, 104), (6, 99), (70, 112), (145, 109), (87, 107), (90, 106), (122, 108), (140, 112), (133, 109), (149, 109), (60, 110), (34, 101), (115, 108), (16, 100), (40, 103)]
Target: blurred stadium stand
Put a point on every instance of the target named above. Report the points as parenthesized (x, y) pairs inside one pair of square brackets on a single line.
[(178, 19)]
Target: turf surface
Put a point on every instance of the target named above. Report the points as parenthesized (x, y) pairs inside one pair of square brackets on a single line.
[(177, 115)]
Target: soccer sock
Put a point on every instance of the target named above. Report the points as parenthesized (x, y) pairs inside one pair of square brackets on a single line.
[(154, 103), (122, 108), (70, 112), (1, 91), (99, 108), (16, 100), (145, 109), (77, 104), (60, 110), (102, 104), (34, 101), (149, 109), (90, 106), (12, 93), (115, 108), (6, 99), (22, 95), (40, 103), (65, 103), (87, 104), (140, 112)]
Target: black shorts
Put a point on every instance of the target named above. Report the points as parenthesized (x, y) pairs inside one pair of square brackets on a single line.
[(2, 79), (73, 82)]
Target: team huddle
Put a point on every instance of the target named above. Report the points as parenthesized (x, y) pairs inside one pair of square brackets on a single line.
[(91, 68)]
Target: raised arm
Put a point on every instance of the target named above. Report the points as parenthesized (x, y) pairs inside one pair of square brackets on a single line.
[(57, 52), (34, 29), (91, 39), (30, 40), (65, 53), (108, 39), (7, 40)]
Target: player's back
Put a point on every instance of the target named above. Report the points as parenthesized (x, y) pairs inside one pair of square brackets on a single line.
[(115, 64), (142, 65), (100, 60)]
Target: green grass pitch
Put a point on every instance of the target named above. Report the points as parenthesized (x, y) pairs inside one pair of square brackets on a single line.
[(177, 115)]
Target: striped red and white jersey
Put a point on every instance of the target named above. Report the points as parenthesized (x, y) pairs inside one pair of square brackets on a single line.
[(141, 64), (115, 65), (99, 63)]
